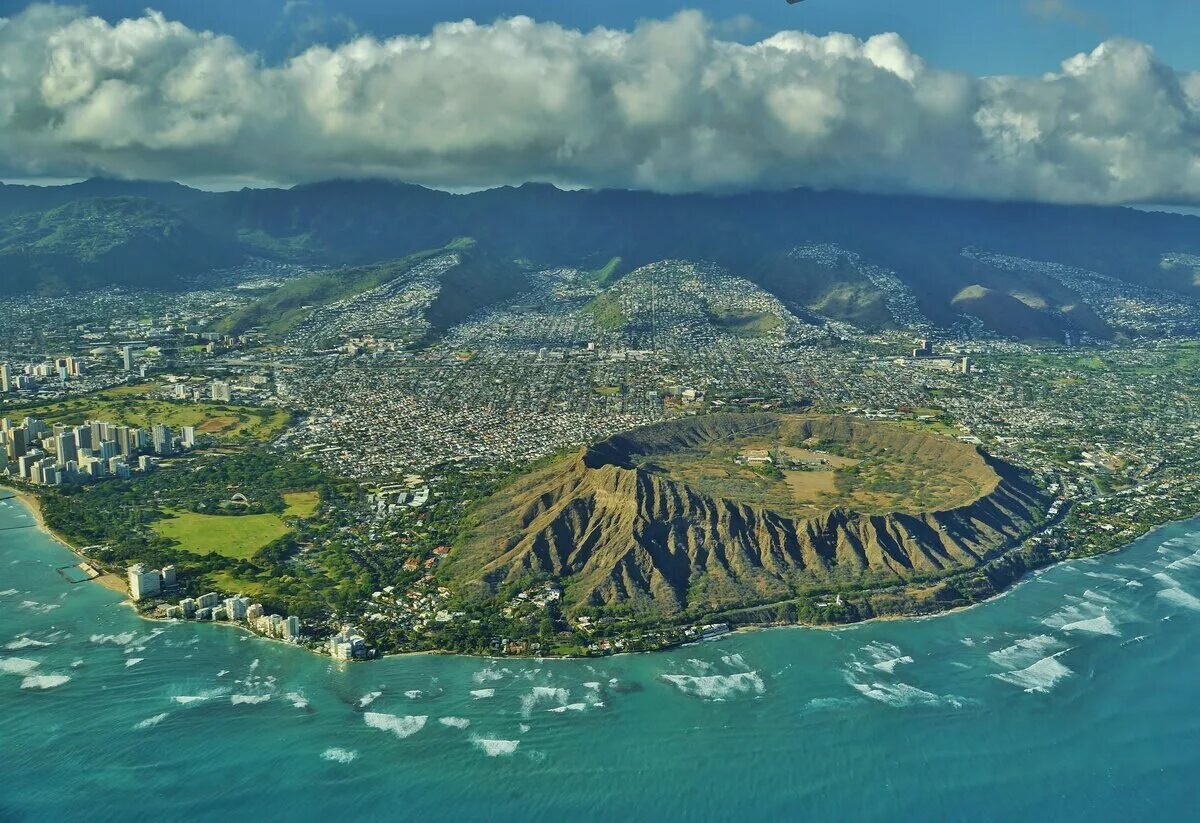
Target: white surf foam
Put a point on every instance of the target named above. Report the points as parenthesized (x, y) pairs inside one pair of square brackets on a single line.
[(454, 722), (570, 707), (543, 694), (26, 643), (17, 665), (483, 694), (400, 726), (8, 593), (44, 681), (122, 639), (496, 748), (336, 755), (298, 700), (368, 698), (901, 695), (133, 661), (413, 694), (188, 699), (1180, 598), (1096, 625), (1026, 651), (717, 686), (1042, 676), (248, 699), (489, 675), (152, 721)]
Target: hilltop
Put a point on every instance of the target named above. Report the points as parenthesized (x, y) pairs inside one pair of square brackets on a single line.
[(735, 510)]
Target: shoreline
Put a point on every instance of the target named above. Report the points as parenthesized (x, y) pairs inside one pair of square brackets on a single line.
[(116, 584), (30, 501)]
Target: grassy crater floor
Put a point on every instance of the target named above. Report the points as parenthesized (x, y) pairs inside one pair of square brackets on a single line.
[(805, 467)]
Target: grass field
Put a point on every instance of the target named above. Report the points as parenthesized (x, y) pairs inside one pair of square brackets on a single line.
[(131, 406), (892, 474), (236, 536)]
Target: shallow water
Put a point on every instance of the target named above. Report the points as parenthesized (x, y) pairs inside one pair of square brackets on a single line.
[(1071, 698)]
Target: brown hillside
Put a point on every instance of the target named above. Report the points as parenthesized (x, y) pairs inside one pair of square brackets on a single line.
[(617, 530)]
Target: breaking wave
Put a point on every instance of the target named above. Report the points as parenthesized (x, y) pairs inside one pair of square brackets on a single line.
[(1042, 676), (717, 686), (336, 755), (400, 726), (496, 748)]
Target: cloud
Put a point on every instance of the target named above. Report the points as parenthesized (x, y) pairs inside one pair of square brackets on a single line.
[(668, 105)]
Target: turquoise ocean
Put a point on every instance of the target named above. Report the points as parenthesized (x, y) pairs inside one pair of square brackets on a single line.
[(1073, 697)]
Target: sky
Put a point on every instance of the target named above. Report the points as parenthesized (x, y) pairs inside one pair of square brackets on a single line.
[(1054, 100)]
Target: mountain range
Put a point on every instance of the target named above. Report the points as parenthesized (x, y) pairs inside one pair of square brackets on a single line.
[(1020, 269)]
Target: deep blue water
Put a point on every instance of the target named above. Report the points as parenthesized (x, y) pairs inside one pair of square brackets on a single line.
[(1071, 698)]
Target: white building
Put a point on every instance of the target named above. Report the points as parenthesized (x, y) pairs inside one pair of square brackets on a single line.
[(143, 582)]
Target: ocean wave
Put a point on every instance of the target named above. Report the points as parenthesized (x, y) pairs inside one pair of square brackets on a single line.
[(496, 748), (1192, 561), (27, 643), (482, 694), (489, 675), (122, 639), (40, 608), (1042, 676), (17, 665), (1083, 615), (454, 722), (336, 755), (901, 695), (9, 592), (151, 721), (571, 707), (44, 681), (828, 703), (1026, 651), (248, 699), (188, 699), (298, 700), (717, 686), (413, 694), (543, 694), (133, 661), (1095, 625), (402, 727), (1180, 598), (368, 698)]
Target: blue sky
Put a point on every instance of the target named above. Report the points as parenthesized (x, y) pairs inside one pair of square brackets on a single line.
[(977, 36)]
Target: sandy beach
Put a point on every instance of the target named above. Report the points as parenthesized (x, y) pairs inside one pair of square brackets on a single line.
[(109, 581)]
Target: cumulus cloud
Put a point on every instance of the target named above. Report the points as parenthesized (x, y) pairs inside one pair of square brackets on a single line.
[(669, 106)]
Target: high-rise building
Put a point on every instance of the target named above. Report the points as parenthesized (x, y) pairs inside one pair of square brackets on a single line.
[(168, 577), (221, 392), (143, 582), (127, 358), (237, 607), (188, 436), (6, 377), (163, 440), (65, 448), (967, 365), (291, 628), (16, 445)]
